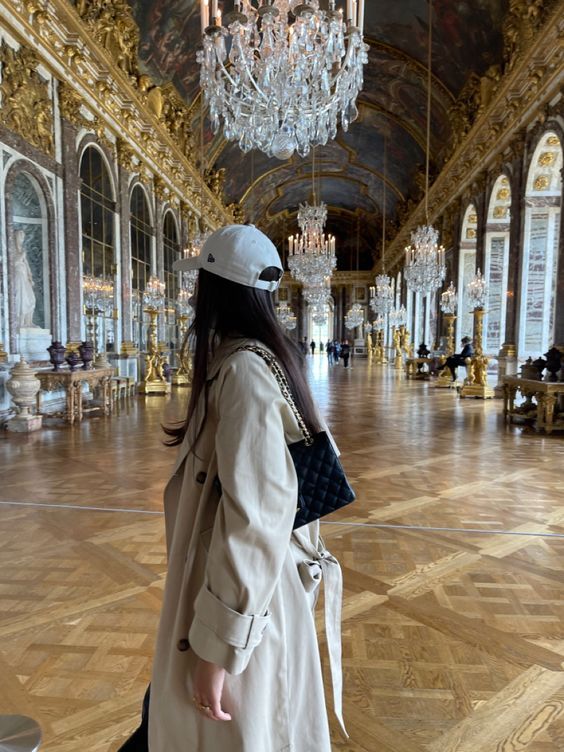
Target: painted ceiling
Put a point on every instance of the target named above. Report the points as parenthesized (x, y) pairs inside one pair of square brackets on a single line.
[(467, 39)]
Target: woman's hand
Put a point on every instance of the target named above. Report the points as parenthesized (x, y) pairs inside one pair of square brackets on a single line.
[(208, 688)]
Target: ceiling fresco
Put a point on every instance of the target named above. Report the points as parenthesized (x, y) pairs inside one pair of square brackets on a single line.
[(467, 39)]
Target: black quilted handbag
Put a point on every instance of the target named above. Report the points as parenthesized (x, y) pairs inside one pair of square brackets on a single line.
[(322, 484)]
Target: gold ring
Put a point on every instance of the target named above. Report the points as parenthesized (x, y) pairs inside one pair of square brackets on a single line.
[(200, 706)]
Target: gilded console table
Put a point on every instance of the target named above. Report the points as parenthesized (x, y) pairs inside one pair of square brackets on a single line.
[(546, 394), (73, 382)]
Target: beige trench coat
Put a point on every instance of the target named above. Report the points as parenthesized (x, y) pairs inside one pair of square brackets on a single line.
[(241, 586)]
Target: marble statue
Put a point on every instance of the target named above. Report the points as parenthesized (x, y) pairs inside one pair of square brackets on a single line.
[(24, 295)]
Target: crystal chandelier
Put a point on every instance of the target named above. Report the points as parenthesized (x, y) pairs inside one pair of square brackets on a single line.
[(382, 295), (183, 302), (425, 259), (425, 267), (398, 316), (280, 74), (477, 290), (194, 248), (154, 293), (378, 323), (311, 255), (98, 293), (319, 317), (354, 316), (286, 317), (449, 300)]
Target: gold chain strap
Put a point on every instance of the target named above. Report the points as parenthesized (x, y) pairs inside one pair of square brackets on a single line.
[(282, 381)]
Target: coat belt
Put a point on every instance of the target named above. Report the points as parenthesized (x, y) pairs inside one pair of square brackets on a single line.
[(323, 565)]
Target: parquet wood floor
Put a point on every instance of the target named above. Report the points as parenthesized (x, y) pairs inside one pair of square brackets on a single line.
[(453, 562)]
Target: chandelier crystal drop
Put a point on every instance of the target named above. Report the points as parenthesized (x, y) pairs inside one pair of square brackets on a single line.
[(382, 295), (449, 300), (281, 74), (477, 290), (354, 317), (425, 267)]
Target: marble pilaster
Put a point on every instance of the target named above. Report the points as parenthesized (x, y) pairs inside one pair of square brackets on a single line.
[(71, 187)]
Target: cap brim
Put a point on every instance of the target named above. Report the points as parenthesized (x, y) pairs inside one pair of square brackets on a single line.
[(187, 264)]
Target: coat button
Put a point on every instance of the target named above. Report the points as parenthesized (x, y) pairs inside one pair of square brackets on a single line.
[(183, 645), (201, 477)]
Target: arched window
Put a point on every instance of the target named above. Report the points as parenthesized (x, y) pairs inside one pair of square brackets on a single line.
[(141, 239), (171, 252), (497, 264), (466, 270), (97, 209), (540, 248), (171, 249)]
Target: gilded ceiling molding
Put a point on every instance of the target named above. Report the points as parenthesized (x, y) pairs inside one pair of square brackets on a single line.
[(91, 48), (27, 107), (534, 60)]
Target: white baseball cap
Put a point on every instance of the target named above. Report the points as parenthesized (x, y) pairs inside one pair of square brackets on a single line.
[(239, 253)]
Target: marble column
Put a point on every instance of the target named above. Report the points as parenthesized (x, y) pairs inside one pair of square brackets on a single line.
[(515, 259), (71, 188), (125, 245)]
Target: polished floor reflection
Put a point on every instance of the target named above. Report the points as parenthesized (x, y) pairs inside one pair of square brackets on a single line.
[(453, 560)]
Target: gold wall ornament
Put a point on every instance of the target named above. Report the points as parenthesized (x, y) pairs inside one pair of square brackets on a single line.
[(215, 180), (473, 219), (542, 183), (125, 155), (113, 26), (70, 103), (470, 233), (26, 108), (546, 158), (162, 191), (503, 194), (238, 213), (553, 141), (500, 212), (176, 118)]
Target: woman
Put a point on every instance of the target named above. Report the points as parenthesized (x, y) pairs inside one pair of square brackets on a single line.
[(237, 666)]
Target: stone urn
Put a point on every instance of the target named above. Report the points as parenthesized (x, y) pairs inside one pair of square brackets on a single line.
[(530, 371), (23, 385), (56, 354), (86, 351), (72, 359)]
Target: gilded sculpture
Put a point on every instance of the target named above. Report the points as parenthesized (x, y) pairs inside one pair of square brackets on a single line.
[(113, 25), (27, 108), (215, 180)]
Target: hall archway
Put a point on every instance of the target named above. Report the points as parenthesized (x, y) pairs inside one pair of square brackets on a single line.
[(171, 252), (142, 252)]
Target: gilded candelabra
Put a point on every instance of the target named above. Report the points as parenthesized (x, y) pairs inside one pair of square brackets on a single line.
[(379, 351), (396, 339), (183, 375), (444, 380), (476, 384), (154, 381)]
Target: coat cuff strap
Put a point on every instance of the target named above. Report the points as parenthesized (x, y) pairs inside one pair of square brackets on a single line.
[(239, 630)]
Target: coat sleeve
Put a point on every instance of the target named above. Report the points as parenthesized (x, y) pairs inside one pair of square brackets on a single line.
[(255, 517)]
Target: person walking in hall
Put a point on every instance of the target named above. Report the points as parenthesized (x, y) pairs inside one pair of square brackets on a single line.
[(345, 352), (304, 346), (329, 349), (312, 346), (459, 359), (237, 664), (336, 352)]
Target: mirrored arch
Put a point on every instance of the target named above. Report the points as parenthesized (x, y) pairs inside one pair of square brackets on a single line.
[(466, 270), (496, 264), (540, 247)]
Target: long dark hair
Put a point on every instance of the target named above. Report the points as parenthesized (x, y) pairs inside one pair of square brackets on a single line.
[(225, 308)]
